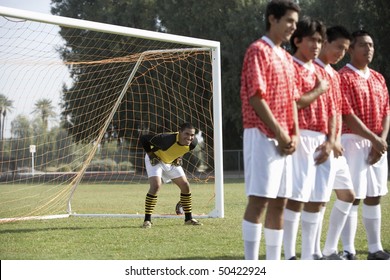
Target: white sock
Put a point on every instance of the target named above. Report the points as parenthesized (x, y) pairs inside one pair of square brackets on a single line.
[(372, 223), (251, 234), (337, 220), (290, 232), (317, 244), (309, 227), (349, 231), (273, 243)]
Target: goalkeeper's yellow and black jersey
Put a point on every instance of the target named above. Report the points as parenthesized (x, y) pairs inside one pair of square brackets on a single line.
[(166, 146)]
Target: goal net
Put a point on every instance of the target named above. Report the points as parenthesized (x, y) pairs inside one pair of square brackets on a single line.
[(75, 97)]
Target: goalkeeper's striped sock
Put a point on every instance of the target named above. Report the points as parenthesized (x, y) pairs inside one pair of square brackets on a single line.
[(186, 203), (150, 203)]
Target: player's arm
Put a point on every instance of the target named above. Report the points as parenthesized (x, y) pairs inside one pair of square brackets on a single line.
[(147, 146), (326, 148), (338, 149), (375, 155), (265, 114), (295, 136), (379, 144), (309, 97), (359, 128)]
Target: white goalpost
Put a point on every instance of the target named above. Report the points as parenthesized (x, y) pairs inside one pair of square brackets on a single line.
[(82, 93)]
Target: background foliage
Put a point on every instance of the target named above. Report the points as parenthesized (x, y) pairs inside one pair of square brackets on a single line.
[(235, 23)]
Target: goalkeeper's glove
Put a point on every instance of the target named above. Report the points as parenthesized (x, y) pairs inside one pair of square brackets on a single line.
[(154, 160), (177, 162)]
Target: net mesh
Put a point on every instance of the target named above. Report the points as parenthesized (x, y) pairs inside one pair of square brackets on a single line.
[(74, 103)]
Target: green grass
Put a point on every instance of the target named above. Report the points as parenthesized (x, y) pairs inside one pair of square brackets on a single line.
[(79, 238)]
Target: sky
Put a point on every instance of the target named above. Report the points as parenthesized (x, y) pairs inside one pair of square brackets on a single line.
[(39, 6), (24, 87)]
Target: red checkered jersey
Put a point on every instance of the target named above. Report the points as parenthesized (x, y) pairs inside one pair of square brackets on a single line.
[(365, 95), (268, 71), (315, 116), (333, 78)]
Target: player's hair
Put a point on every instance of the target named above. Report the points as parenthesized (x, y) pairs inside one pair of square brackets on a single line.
[(336, 32), (278, 9), (185, 126), (306, 27), (357, 34)]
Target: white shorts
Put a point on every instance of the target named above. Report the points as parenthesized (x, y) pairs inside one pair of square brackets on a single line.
[(163, 170), (368, 180), (267, 173), (311, 182), (342, 176)]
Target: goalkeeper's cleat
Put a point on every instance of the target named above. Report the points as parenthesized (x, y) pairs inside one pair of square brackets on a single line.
[(192, 222), (147, 224)]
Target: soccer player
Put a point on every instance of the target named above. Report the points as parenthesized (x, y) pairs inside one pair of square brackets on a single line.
[(270, 129), (163, 162), (366, 126), (312, 160), (333, 50)]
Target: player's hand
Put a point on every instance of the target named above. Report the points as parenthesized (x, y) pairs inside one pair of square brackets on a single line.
[(380, 145), (322, 152), (286, 145), (178, 162), (292, 146), (374, 156), (338, 150), (321, 85), (154, 160)]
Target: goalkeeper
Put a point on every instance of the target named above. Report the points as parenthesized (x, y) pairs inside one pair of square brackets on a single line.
[(163, 161)]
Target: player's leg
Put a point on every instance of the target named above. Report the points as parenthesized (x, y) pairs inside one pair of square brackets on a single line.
[(151, 200), (154, 175), (185, 198), (337, 220), (317, 242), (303, 181), (371, 212), (273, 228), (265, 168), (292, 215), (310, 221), (252, 227), (345, 196), (356, 156), (314, 211)]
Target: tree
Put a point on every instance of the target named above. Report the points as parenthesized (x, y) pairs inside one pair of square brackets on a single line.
[(45, 110), (5, 107), (21, 128), (370, 15), (235, 23)]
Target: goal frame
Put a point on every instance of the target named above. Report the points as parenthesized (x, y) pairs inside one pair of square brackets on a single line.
[(213, 46)]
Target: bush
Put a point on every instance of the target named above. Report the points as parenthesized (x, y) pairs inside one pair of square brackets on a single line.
[(125, 166), (103, 165), (64, 168)]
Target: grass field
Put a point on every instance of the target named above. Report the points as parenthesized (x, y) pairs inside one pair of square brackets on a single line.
[(78, 238)]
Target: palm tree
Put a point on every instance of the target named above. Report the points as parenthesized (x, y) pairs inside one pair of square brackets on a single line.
[(45, 110), (5, 107)]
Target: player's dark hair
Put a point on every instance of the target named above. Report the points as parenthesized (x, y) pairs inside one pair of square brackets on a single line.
[(306, 27), (336, 32), (278, 9), (357, 34), (185, 126)]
